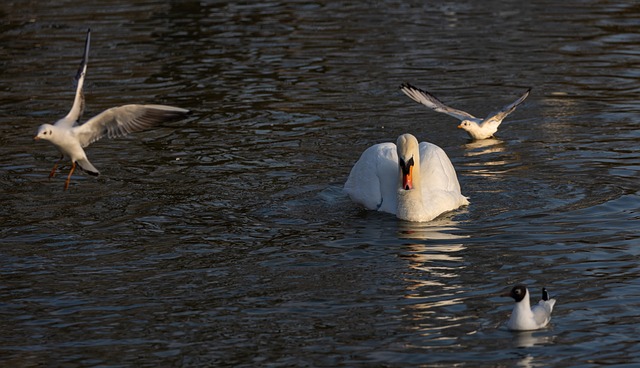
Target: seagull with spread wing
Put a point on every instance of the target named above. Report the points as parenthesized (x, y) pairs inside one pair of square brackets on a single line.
[(475, 127), (70, 138)]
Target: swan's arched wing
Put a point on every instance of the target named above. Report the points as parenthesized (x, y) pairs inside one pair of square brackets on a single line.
[(78, 103), (433, 103), (496, 118), (373, 181), (120, 121), (437, 171)]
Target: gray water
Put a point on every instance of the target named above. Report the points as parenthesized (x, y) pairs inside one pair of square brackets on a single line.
[(225, 239)]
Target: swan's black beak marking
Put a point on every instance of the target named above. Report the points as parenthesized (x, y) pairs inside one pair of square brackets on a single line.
[(407, 173)]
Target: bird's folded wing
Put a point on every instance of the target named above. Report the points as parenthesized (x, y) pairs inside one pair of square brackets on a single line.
[(437, 170), (122, 120), (432, 102), (373, 180), (542, 310)]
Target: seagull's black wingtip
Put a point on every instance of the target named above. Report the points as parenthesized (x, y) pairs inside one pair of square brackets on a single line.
[(406, 85)]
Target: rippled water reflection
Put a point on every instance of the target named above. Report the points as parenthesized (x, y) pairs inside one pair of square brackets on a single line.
[(226, 239)]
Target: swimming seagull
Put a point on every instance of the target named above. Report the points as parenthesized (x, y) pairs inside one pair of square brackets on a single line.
[(524, 317), (70, 138), (475, 127)]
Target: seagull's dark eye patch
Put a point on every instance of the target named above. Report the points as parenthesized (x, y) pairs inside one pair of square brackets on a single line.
[(518, 292)]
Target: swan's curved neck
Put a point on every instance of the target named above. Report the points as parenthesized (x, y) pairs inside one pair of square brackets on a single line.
[(410, 204)]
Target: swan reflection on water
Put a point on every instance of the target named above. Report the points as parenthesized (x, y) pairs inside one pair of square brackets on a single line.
[(439, 258), (439, 229)]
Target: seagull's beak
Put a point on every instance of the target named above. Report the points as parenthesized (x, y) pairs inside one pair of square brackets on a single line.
[(460, 126), (506, 293), (407, 178), (36, 138)]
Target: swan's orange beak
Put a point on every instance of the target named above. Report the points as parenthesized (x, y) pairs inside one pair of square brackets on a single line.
[(407, 179), (460, 126)]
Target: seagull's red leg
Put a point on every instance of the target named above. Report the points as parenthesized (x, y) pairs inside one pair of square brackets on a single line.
[(55, 167), (66, 183)]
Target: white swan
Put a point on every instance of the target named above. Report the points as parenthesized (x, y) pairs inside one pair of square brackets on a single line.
[(526, 318), (416, 182)]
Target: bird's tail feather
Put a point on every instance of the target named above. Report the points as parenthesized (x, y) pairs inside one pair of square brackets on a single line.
[(87, 167)]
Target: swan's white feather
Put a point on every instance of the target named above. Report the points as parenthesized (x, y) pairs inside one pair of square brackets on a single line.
[(374, 181)]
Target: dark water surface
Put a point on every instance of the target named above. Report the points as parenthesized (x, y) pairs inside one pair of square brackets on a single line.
[(225, 239)]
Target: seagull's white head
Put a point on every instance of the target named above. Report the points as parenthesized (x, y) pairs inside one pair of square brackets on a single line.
[(468, 125), (45, 131), (408, 160)]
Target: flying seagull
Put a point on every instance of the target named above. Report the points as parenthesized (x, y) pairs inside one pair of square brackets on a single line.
[(70, 138), (475, 127)]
